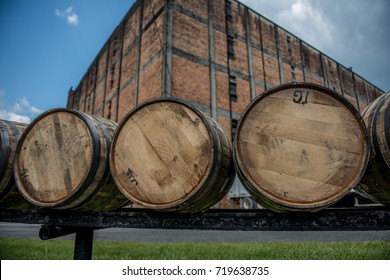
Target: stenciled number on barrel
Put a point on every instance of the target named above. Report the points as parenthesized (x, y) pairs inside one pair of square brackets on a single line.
[(24, 175), (130, 174), (298, 97)]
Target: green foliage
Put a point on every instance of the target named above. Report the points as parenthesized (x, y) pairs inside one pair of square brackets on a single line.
[(20, 249)]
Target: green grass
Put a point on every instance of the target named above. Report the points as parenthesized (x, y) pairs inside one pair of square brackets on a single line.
[(21, 249)]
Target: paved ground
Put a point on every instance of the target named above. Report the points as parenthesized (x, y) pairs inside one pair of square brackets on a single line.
[(153, 235)]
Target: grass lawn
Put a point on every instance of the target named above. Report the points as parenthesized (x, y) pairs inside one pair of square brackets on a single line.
[(26, 249)]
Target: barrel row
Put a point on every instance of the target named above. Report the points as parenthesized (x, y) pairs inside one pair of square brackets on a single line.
[(298, 147)]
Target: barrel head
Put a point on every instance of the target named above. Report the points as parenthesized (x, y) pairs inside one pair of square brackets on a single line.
[(161, 153), (54, 157), (300, 146)]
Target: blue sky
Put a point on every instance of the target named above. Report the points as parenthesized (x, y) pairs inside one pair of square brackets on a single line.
[(47, 45)]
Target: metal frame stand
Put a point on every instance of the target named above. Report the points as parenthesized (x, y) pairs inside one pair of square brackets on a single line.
[(83, 244), (57, 223)]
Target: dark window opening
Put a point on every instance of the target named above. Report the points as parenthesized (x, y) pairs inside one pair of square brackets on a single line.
[(113, 69), (228, 10), (293, 79), (234, 127), (229, 18), (233, 88), (230, 46), (289, 48), (109, 110), (307, 60)]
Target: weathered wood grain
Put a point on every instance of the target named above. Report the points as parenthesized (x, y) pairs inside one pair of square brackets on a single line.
[(166, 155), (375, 184), (62, 162), (300, 147), (10, 133)]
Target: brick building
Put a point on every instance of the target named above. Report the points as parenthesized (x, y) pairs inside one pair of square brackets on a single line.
[(218, 54)]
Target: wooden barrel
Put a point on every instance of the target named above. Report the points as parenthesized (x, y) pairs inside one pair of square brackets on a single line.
[(10, 197), (375, 184), (169, 156), (300, 147), (62, 162)]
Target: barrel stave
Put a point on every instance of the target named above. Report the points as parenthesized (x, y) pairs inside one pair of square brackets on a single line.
[(375, 183), (10, 197)]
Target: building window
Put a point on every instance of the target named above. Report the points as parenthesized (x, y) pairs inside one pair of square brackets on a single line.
[(293, 79), (114, 46), (111, 83), (112, 69), (230, 46), (228, 10), (307, 60), (289, 48), (232, 88), (234, 127), (229, 18)]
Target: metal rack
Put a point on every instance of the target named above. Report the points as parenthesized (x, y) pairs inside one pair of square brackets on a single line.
[(57, 223)]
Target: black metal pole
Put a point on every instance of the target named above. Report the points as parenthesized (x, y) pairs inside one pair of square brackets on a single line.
[(83, 244), (52, 231)]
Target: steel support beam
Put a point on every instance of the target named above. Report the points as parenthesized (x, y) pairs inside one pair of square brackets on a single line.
[(348, 219)]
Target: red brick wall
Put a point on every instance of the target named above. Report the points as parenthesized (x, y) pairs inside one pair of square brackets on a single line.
[(190, 35), (239, 21), (110, 83), (332, 75), (190, 80), (101, 82), (222, 81), (109, 86), (150, 81), (220, 40)]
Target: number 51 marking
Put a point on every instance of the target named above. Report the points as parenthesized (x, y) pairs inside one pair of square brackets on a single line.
[(298, 97)]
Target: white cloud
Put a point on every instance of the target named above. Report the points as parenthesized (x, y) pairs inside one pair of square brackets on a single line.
[(17, 108), (10, 116), (73, 19), (25, 105), (69, 14), (308, 22), (300, 17), (21, 111)]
